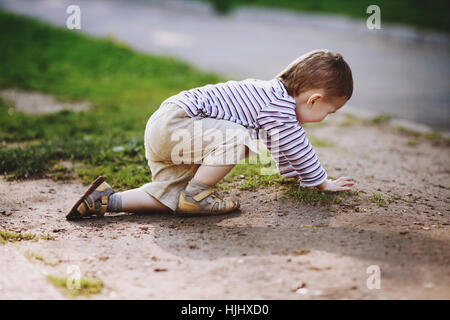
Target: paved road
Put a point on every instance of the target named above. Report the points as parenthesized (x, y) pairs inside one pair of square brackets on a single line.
[(401, 75)]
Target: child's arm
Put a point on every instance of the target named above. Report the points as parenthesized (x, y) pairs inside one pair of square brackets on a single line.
[(289, 146)]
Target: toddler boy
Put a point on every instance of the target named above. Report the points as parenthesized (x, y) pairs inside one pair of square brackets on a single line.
[(197, 136)]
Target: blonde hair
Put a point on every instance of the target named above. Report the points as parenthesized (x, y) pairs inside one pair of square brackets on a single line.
[(318, 69)]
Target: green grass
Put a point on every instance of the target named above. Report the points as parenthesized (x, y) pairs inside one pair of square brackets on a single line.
[(312, 196), (412, 142), (382, 118), (252, 173), (60, 172), (432, 14), (124, 87), (317, 142), (87, 287), (251, 177), (435, 138), (378, 198), (351, 120), (7, 236)]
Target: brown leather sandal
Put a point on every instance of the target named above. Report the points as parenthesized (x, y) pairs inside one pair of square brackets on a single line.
[(93, 202)]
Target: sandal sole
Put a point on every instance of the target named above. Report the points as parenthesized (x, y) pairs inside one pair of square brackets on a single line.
[(73, 213)]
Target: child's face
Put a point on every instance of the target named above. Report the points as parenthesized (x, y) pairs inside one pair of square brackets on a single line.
[(312, 107)]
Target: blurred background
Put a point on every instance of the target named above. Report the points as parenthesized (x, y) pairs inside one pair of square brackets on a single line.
[(401, 70)]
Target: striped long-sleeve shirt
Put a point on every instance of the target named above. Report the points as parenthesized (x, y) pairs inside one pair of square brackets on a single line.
[(266, 107)]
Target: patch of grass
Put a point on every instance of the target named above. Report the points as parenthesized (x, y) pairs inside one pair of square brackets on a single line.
[(313, 196), (252, 173), (382, 118), (60, 172), (430, 14), (316, 142), (256, 181), (403, 130), (391, 199), (351, 120), (300, 252), (8, 236), (314, 125), (248, 175), (87, 287), (378, 198), (412, 142), (354, 120), (124, 88), (435, 138), (36, 159)]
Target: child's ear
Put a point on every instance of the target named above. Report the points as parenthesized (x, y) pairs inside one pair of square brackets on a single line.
[(313, 99)]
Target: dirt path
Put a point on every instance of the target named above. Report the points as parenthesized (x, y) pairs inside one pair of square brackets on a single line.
[(38, 103), (254, 253)]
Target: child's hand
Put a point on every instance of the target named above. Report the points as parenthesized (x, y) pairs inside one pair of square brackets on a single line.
[(341, 184)]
